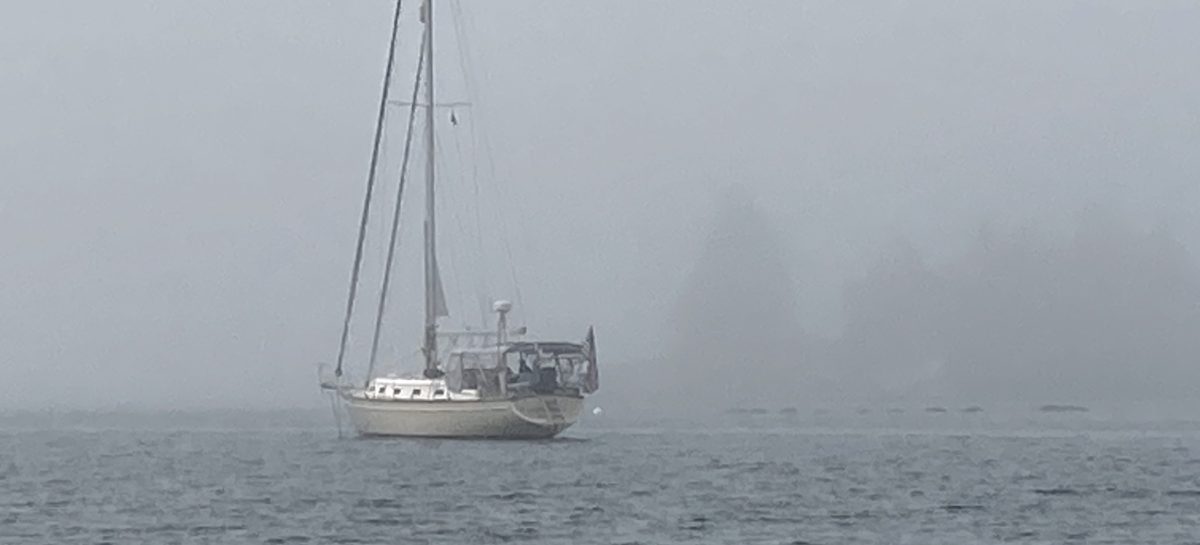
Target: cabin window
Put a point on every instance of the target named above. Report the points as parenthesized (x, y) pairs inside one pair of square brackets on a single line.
[(396, 391), (416, 392), (437, 393), (380, 390)]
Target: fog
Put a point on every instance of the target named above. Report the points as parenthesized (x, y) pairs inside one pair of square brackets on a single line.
[(777, 201)]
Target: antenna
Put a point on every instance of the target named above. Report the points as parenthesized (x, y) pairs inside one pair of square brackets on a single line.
[(502, 308)]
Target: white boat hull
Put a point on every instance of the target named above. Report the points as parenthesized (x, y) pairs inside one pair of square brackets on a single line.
[(531, 417)]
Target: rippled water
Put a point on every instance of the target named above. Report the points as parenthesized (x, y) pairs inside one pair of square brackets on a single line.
[(627, 485)]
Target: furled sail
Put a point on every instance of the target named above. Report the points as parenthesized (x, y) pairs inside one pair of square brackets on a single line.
[(435, 294), (439, 295)]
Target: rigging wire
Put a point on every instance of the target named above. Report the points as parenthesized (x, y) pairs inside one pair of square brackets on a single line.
[(391, 250), (460, 21), (451, 252), (463, 64), (457, 250), (366, 209)]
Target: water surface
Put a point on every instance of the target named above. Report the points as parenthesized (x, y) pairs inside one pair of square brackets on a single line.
[(777, 483)]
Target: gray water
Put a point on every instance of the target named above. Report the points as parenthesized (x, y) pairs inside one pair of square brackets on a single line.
[(632, 484)]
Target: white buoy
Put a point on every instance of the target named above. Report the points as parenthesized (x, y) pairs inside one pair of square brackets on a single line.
[(597, 411)]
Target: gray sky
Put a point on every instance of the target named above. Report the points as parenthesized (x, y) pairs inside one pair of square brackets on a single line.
[(180, 181)]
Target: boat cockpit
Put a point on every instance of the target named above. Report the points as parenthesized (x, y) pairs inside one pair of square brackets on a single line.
[(513, 368)]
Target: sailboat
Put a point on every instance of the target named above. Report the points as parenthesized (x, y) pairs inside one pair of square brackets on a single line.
[(491, 383)]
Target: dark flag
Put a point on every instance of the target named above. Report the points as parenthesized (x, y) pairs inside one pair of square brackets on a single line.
[(591, 381)]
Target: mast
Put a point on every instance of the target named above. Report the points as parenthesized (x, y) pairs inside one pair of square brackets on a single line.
[(434, 305)]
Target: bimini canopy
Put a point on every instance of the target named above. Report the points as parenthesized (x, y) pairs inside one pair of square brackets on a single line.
[(551, 348)]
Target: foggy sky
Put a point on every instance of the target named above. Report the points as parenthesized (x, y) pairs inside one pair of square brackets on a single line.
[(180, 181)]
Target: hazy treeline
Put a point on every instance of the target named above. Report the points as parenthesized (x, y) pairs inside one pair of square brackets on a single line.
[(1110, 311), (1107, 312)]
